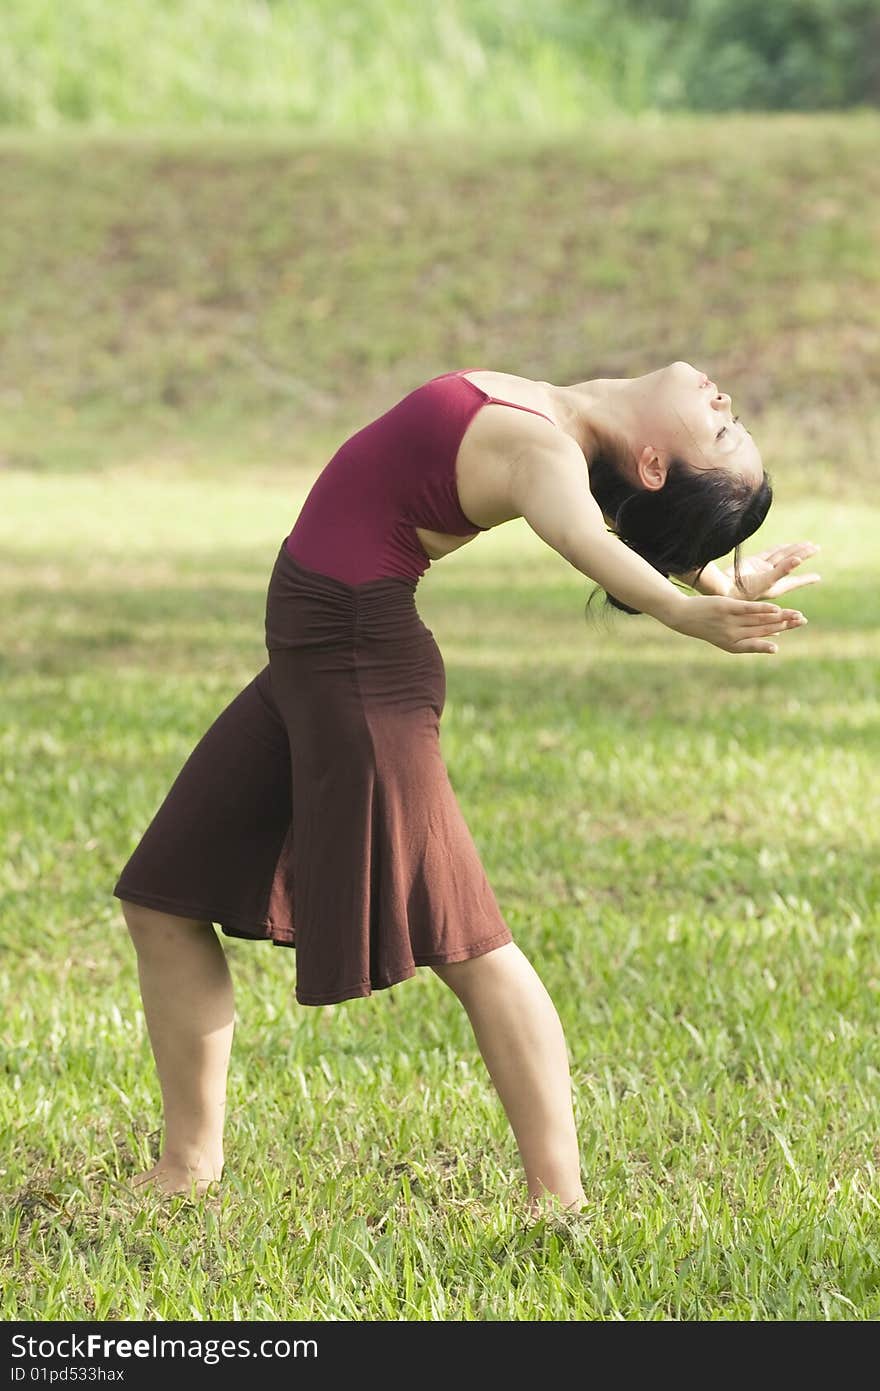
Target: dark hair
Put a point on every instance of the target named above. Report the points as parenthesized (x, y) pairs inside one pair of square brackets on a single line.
[(697, 516)]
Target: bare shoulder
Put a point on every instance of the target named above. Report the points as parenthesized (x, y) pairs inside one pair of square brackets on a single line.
[(489, 452), (548, 461), (550, 489), (517, 391)]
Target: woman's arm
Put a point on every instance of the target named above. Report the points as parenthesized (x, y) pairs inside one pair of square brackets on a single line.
[(711, 581), (549, 487)]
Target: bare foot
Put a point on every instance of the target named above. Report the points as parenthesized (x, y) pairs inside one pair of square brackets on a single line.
[(168, 1179), (551, 1205)]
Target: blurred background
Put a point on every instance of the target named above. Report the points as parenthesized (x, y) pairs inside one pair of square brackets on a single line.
[(393, 66)]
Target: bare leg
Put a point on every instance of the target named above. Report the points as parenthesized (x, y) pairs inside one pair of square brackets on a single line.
[(188, 1004), (520, 1037)]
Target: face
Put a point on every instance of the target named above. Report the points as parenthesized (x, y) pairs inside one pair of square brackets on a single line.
[(680, 411)]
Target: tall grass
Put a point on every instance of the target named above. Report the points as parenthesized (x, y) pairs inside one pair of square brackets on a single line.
[(394, 66), (380, 64)]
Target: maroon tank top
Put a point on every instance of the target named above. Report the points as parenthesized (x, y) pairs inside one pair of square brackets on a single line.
[(357, 522)]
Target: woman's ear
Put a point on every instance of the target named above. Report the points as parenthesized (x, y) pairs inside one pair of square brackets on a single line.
[(650, 469)]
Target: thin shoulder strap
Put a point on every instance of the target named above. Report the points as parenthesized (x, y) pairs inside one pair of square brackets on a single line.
[(497, 400)]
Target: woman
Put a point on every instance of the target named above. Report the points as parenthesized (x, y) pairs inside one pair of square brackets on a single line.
[(316, 811)]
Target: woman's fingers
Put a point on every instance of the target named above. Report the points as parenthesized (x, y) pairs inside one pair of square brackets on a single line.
[(791, 562), (770, 620), (775, 625), (780, 617), (776, 555), (748, 625), (752, 645), (744, 607), (797, 582), (770, 626), (769, 630), (792, 553)]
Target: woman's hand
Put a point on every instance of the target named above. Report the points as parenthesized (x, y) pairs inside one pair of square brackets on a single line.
[(734, 625), (766, 574)]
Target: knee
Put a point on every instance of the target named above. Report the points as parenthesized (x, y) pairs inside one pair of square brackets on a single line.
[(152, 931), (449, 973), (476, 972)]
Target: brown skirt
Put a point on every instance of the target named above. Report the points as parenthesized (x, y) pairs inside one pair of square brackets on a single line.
[(316, 812)]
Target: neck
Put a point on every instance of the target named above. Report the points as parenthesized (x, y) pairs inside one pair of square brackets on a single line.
[(595, 411)]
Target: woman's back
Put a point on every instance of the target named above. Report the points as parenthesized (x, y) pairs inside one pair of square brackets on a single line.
[(394, 479)]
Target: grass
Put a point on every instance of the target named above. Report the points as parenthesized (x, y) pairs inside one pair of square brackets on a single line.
[(683, 842), (379, 65), (391, 67), (206, 304)]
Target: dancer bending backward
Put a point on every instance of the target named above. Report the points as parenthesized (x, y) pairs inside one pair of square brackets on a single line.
[(317, 813)]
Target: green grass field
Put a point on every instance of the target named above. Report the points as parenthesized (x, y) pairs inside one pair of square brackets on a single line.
[(684, 842), (195, 304)]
